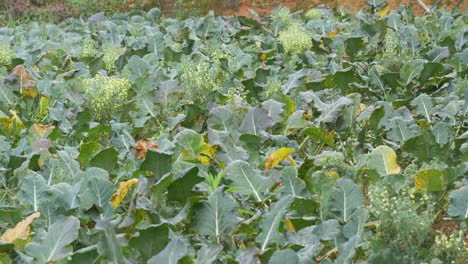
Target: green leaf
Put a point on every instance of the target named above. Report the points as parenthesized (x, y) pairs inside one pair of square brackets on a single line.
[(217, 215), (292, 185), (347, 197), (34, 192), (384, 160), (209, 254), (173, 252), (109, 245), (157, 162), (272, 221), (458, 208), (441, 132), (284, 256), (294, 81), (256, 121), (295, 121), (319, 135), (432, 180), (96, 190), (410, 71), (53, 245), (424, 147), (248, 181), (151, 240), (191, 141), (424, 106), (137, 66), (402, 129), (377, 4), (274, 109), (105, 159), (181, 189), (329, 111), (221, 118)]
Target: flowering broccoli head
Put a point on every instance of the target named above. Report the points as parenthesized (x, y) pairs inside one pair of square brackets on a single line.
[(88, 48), (111, 54), (106, 95), (200, 79), (6, 54), (295, 40)]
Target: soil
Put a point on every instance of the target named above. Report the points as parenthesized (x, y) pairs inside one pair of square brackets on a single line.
[(172, 8)]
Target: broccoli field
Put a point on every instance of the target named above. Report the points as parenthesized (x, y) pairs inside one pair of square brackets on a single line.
[(320, 136)]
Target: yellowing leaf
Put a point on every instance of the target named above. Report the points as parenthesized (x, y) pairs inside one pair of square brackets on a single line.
[(431, 180), (15, 118), (277, 156), (334, 33), (289, 224), (119, 195), (207, 153), (30, 92), (44, 104), (21, 230), (384, 160), (332, 174), (384, 12)]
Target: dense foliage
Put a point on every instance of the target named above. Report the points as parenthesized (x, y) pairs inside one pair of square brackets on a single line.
[(315, 137)]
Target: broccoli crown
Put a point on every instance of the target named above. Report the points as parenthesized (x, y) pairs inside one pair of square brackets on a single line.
[(106, 95), (313, 14), (295, 40), (6, 54)]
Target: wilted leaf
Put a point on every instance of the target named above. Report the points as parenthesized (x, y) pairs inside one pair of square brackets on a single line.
[(122, 191), (21, 230), (142, 146)]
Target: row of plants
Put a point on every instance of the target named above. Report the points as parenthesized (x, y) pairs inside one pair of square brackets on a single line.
[(309, 137)]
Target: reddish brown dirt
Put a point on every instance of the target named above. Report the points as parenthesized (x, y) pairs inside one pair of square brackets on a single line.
[(265, 7), (171, 8)]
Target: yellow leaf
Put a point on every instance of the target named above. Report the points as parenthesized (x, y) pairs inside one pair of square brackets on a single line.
[(334, 33), (289, 224), (30, 92), (332, 174), (384, 12), (277, 156), (15, 118), (207, 153), (44, 104), (119, 195), (21, 230)]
